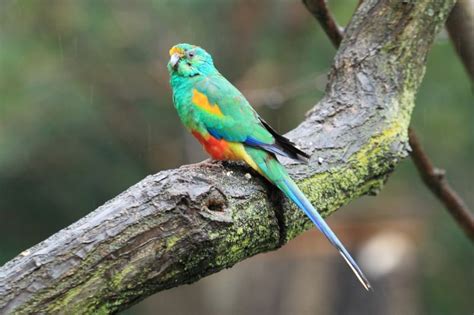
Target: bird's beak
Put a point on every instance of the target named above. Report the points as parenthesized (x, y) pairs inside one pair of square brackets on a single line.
[(176, 54), (174, 60)]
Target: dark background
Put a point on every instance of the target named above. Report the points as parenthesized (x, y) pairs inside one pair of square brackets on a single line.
[(85, 112)]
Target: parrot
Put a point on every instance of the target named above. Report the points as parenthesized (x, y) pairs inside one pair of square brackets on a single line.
[(218, 115)]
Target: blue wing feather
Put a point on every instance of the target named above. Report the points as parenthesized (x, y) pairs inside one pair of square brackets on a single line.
[(273, 147), (252, 142)]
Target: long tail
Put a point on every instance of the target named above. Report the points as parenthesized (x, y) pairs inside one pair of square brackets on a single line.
[(268, 165), (294, 193)]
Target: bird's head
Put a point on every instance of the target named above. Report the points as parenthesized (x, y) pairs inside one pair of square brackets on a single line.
[(189, 61)]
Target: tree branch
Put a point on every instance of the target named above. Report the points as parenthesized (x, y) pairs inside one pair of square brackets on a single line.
[(460, 26), (320, 11), (428, 172), (435, 180), (179, 225)]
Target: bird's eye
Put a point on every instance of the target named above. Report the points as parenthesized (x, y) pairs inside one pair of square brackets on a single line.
[(191, 54)]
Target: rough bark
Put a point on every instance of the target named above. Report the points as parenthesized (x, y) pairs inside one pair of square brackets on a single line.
[(179, 225), (458, 25)]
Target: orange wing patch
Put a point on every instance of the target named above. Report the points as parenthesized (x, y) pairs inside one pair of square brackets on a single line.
[(201, 101)]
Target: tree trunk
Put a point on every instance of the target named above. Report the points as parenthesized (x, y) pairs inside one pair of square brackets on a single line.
[(180, 225)]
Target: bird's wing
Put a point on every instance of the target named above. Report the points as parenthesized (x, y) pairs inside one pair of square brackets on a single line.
[(227, 115)]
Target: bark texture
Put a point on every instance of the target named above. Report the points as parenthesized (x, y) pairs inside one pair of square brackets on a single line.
[(179, 225)]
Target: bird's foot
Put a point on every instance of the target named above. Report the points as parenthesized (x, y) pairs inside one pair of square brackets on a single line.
[(206, 163)]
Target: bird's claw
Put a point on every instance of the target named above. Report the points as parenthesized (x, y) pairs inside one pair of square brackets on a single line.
[(206, 163)]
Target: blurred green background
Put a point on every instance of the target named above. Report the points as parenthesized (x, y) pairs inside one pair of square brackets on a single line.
[(86, 112)]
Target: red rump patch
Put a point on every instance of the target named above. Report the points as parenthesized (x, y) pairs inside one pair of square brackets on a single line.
[(217, 149)]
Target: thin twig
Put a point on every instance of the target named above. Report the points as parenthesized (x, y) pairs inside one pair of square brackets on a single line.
[(433, 177), (320, 11), (460, 26)]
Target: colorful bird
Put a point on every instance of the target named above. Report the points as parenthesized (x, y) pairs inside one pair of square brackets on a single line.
[(223, 121)]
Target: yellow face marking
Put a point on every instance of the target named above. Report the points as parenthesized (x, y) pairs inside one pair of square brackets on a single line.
[(176, 50), (200, 100)]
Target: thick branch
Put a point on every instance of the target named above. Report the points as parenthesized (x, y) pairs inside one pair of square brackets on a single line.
[(428, 172), (180, 225)]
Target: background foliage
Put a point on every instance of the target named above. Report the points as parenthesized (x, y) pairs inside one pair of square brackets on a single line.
[(85, 112)]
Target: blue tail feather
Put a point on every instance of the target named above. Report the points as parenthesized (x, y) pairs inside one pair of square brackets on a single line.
[(295, 194), (269, 166)]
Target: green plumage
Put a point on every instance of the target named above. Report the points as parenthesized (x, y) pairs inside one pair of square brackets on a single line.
[(239, 120), (220, 117)]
